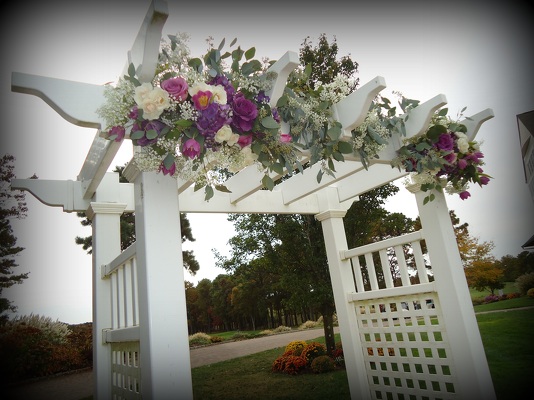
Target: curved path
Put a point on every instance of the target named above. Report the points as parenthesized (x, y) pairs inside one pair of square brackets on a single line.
[(77, 386)]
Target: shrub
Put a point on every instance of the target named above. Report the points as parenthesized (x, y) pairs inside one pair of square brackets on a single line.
[(337, 355), (478, 301), (525, 282), (322, 364), (312, 351), (282, 329), (266, 332), (240, 336), (296, 347), (492, 298), (216, 339), (54, 331), (289, 363), (530, 293), (294, 364), (514, 295), (309, 325), (199, 339)]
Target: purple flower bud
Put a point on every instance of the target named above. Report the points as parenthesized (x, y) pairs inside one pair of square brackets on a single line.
[(484, 180), (191, 148), (464, 195), (170, 171), (117, 132)]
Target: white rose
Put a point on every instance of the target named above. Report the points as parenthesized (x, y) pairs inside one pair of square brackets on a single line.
[(463, 145), (141, 92), (154, 103), (219, 94), (223, 134)]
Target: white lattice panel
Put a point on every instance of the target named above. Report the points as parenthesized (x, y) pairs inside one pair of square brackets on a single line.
[(126, 371), (405, 347)]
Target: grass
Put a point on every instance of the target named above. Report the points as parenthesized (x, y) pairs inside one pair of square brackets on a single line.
[(250, 377), (507, 339)]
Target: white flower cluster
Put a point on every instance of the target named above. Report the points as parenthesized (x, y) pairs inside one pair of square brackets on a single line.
[(362, 140), (119, 101), (333, 92)]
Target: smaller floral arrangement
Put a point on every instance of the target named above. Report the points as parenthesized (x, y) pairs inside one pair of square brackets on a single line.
[(443, 158)]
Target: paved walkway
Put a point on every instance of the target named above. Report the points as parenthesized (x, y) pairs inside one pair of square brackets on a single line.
[(79, 385)]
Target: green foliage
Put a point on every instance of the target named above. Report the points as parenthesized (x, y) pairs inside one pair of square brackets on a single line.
[(530, 292), (12, 205), (323, 364), (525, 282)]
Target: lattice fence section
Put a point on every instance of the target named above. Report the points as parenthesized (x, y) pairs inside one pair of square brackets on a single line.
[(405, 347), (126, 371)]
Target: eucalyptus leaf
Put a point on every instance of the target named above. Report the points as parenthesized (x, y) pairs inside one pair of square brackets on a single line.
[(221, 45), (208, 191), (137, 135), (278, 168), (334, 132), (338, 156), (168, 161), (344, 147), (269, 122), (267, 182), (249, 54), (233, 42), (222, 188), (131, 70), (151, 134)]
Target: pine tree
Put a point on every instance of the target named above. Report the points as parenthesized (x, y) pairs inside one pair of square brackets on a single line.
[(12, 205)]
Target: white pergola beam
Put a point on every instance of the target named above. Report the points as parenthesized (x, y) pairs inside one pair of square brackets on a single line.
[(352, 110), (474, 122)]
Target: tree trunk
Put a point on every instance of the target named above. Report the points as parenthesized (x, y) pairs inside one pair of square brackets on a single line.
[(328, 323)]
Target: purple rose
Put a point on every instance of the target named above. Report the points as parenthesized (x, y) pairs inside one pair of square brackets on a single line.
[(147, 126), (245, 113), (191, 148), (116, 133), (176, 87), (445, 142)]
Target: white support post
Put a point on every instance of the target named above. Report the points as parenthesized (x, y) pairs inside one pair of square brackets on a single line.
[(342, 283), (470, 362), (164, 338), (105, 215)]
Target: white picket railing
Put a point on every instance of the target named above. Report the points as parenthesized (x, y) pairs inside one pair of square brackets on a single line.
[(404, 339), (123, 335)]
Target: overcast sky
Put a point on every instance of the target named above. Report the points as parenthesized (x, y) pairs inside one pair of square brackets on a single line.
[(478, 56)]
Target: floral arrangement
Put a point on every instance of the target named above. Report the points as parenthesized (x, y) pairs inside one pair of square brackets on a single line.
[(200, 119), (443, 158), (204, 119)]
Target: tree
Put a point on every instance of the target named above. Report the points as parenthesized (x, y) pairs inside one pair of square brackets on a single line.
[(12, 205), (480, 267), (127, 228), (513, 267)]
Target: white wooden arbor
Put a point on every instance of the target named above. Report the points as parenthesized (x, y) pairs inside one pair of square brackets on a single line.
[(410, 341)]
